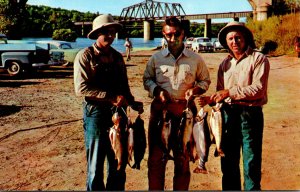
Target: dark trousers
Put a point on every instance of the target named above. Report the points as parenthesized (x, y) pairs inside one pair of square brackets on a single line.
[(156, 161), (97, 122), (242, 128)]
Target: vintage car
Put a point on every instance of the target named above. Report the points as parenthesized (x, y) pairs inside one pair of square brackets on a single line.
[(62, 50), (17, 58), (188, 42), (217, 45), (202, 44)]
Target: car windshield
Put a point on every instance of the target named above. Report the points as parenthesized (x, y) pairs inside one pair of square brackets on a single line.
[(65, 46)]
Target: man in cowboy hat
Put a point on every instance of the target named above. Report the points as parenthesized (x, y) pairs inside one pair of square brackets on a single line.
[(100, 77), (242, 86)]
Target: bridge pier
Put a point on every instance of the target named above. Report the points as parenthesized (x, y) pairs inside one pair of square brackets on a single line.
[(207, 28), (261, 13), (149, 30), (260, 9)]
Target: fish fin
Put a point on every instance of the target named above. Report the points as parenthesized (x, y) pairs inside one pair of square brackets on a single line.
[(216, 154), (167, 156), (136, 166), (200, 170), (219, 153)]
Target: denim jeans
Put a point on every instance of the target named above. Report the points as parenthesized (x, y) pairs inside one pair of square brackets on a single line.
[(97, 122), (242, 128)]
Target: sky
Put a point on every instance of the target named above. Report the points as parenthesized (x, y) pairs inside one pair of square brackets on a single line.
[(115, 6)]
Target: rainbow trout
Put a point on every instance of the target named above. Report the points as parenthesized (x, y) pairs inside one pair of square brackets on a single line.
[(130, 144), (216, 128), (202, 140), (140, 144), (165, 123), (185, 132), (115, 138)]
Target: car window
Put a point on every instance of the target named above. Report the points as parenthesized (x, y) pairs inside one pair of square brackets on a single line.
[(53, 46), (65, 46)]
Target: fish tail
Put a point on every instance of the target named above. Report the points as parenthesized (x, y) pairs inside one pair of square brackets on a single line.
[(219, 152)]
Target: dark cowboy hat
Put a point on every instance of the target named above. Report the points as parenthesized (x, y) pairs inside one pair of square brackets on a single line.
[(234, 25), (101, 22)]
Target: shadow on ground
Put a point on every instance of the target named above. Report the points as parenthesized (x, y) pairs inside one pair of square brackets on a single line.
[(6, 110)]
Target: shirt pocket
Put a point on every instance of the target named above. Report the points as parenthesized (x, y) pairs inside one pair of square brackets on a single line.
[(244, 78), (164, 73), (186, 74), (229, 80)]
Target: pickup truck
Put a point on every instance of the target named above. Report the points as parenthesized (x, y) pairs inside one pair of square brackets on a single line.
[(19, 57)]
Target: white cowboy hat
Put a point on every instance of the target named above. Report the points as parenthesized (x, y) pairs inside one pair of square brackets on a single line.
[(101, 22), (234, 25)]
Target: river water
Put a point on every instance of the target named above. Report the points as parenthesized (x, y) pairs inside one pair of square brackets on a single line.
[(118, 44)]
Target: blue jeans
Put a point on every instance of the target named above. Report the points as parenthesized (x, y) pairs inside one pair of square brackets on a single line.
[(242, 128), (96, 123)]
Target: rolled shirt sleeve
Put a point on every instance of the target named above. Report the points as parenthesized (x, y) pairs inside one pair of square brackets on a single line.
[(247, 79)]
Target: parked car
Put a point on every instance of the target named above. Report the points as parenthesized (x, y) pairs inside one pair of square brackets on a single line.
[(297, 45), (217, 45), (202, 44), (62, 49), (188, 42), (17, 58)]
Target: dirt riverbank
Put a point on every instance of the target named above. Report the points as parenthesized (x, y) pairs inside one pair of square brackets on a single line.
[(41, 136)]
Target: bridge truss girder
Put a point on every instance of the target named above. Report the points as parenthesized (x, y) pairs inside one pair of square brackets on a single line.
[(150, 10)]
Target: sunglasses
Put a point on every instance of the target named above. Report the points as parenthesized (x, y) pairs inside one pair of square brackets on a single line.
[(170, 35)]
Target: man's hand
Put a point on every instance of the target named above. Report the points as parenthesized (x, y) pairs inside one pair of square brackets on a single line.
[(161, 94), (193, 92), (201, 101), (220, 95), (119, 101)]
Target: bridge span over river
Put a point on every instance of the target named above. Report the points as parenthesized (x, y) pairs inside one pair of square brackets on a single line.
[(149, 10)]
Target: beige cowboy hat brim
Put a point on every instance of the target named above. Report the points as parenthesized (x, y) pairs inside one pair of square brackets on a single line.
[(101, 22), (234, 25)]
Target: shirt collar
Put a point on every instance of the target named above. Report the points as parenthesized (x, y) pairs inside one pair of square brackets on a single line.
[(97, 49), (248, 52), (166, 52)]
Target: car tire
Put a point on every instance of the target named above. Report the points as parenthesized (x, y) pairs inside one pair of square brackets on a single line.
[(14, 68), (65, 63)]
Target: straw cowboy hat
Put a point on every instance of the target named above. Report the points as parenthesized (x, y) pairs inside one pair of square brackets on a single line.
[(234, 25), (101, 22)]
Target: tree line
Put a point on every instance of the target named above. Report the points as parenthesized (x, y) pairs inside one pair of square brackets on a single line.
[(18, 19)]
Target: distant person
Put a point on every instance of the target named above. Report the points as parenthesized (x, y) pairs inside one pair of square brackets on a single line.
[(100, 78), (172, 76), (128, 46), (164, 43), (242, 88)]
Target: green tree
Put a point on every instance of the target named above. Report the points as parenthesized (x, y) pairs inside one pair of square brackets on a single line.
[(12, 14), (294, 5)]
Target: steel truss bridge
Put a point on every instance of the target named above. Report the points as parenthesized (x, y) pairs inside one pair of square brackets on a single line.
[(154, 10), (150, 10)]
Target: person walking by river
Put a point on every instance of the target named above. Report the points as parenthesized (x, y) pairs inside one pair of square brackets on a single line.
[(128, 46), (100, 78)]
